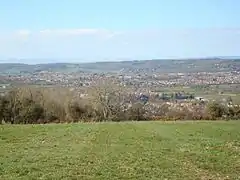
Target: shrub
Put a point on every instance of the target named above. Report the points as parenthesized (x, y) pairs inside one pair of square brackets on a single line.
[(34, 105), (136, 112), (30, 114), (215, 110), (77, 111), (234, 112)]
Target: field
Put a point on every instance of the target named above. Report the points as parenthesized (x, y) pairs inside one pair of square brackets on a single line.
[(210, 92), (128, 150)]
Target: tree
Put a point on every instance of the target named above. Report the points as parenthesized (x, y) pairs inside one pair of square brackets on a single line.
[(215, 110), (108, 100), (2, 108), (229, 100)]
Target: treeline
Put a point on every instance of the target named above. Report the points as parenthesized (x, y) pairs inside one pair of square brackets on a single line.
[(106, 103), (60, 105)]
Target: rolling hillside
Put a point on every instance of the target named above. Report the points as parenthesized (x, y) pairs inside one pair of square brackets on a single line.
[(133, 150), (191, 65)]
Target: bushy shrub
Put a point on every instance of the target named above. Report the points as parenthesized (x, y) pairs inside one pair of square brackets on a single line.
[(215, 110), (34, 105), (234, 112), (136, 112), (77, 111)]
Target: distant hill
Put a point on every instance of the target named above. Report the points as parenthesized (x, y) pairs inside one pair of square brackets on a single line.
[(135, 66)]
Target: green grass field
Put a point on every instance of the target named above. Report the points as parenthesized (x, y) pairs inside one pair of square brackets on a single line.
[(132, 150)]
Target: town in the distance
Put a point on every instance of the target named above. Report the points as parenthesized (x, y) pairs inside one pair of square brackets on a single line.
[(168, 89)]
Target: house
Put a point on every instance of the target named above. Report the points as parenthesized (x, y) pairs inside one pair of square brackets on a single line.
[(200, 99)]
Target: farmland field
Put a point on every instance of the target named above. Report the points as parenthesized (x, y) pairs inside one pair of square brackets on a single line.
[(127, 150)]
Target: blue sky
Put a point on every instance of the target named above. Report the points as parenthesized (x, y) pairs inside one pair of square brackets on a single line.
[(95, 30)]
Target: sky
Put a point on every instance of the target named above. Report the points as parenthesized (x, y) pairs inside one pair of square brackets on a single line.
[(40, 31)]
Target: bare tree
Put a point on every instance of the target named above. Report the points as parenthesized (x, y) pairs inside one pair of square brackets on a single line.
[(108, 99)]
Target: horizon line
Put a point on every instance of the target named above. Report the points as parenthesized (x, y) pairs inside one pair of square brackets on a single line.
[(113, 61)]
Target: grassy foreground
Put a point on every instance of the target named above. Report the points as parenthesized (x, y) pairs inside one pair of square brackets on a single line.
[(133, 150)]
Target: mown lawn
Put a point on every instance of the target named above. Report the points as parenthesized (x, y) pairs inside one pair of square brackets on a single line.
[(132, 150)]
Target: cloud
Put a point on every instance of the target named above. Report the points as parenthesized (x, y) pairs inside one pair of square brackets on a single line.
[(57, 42), (69, 31), (97, 44), (107, 34), (113, 34), (103, 34), (23, 32)]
